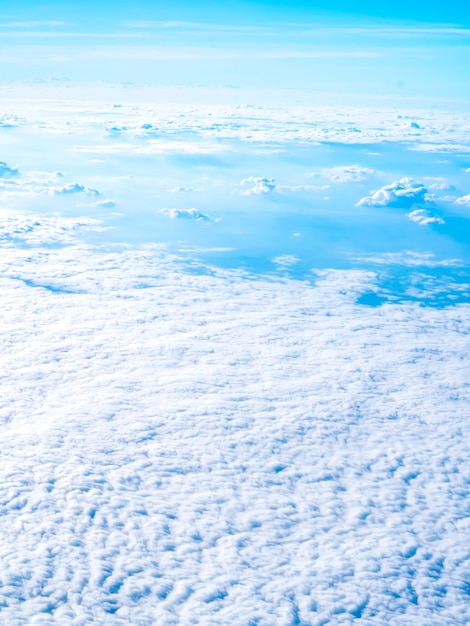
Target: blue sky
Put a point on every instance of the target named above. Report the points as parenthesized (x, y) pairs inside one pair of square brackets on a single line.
[(397, 49)]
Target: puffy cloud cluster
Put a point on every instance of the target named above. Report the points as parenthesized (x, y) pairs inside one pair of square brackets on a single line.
[(31, 229), (402, 194), (464, 200), (259, 185), (71, 188), (423, 217), (187, 214)]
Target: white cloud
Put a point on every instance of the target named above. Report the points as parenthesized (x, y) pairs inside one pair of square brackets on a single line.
[(9, 120), (104, 204), (463, 200), (259, 185), (441, 186), (223, 447), (423, 217), (285, 261), (36, 230), (178, 444), (345, 174), (410, 258), (189, 214), (402, 194), (71, 188), (38, 183), (154, 147)]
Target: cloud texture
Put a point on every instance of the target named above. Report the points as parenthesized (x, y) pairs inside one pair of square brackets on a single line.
[(183, 447)]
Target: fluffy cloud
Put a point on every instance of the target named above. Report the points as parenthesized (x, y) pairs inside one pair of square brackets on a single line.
[(285, 261), (33, 229), (234, 449), (402, 194), (259, 185), (269, 185), (41, 183), (71, 188), (221, 447), (188, 214), (463, 200), (423, 217)]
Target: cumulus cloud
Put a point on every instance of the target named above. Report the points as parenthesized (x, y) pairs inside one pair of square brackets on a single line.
[(345, 174), (463, 200), (423, 217), (36, 230), (188, 214), (72, 188), (402, 194), (259, 185)]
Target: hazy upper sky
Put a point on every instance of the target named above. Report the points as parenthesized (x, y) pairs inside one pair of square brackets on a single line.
[(400, 48)]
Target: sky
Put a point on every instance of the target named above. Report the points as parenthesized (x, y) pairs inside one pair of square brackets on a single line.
[(388, 50), (235, 295)]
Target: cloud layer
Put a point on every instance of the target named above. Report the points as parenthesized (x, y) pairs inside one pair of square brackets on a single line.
[(181, 445)]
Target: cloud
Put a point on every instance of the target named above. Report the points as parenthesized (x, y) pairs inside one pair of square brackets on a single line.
[(345, 174), (463, 200), (259, 185), (441, 186), (183, 189), (9, 120), (243, 450), (188, 214), (410, 258), (5, 170), (103, 204), (155, 147), (183, 440), (402, 194), (72, 188), (285, 261), (423, 217), (32, 229)]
